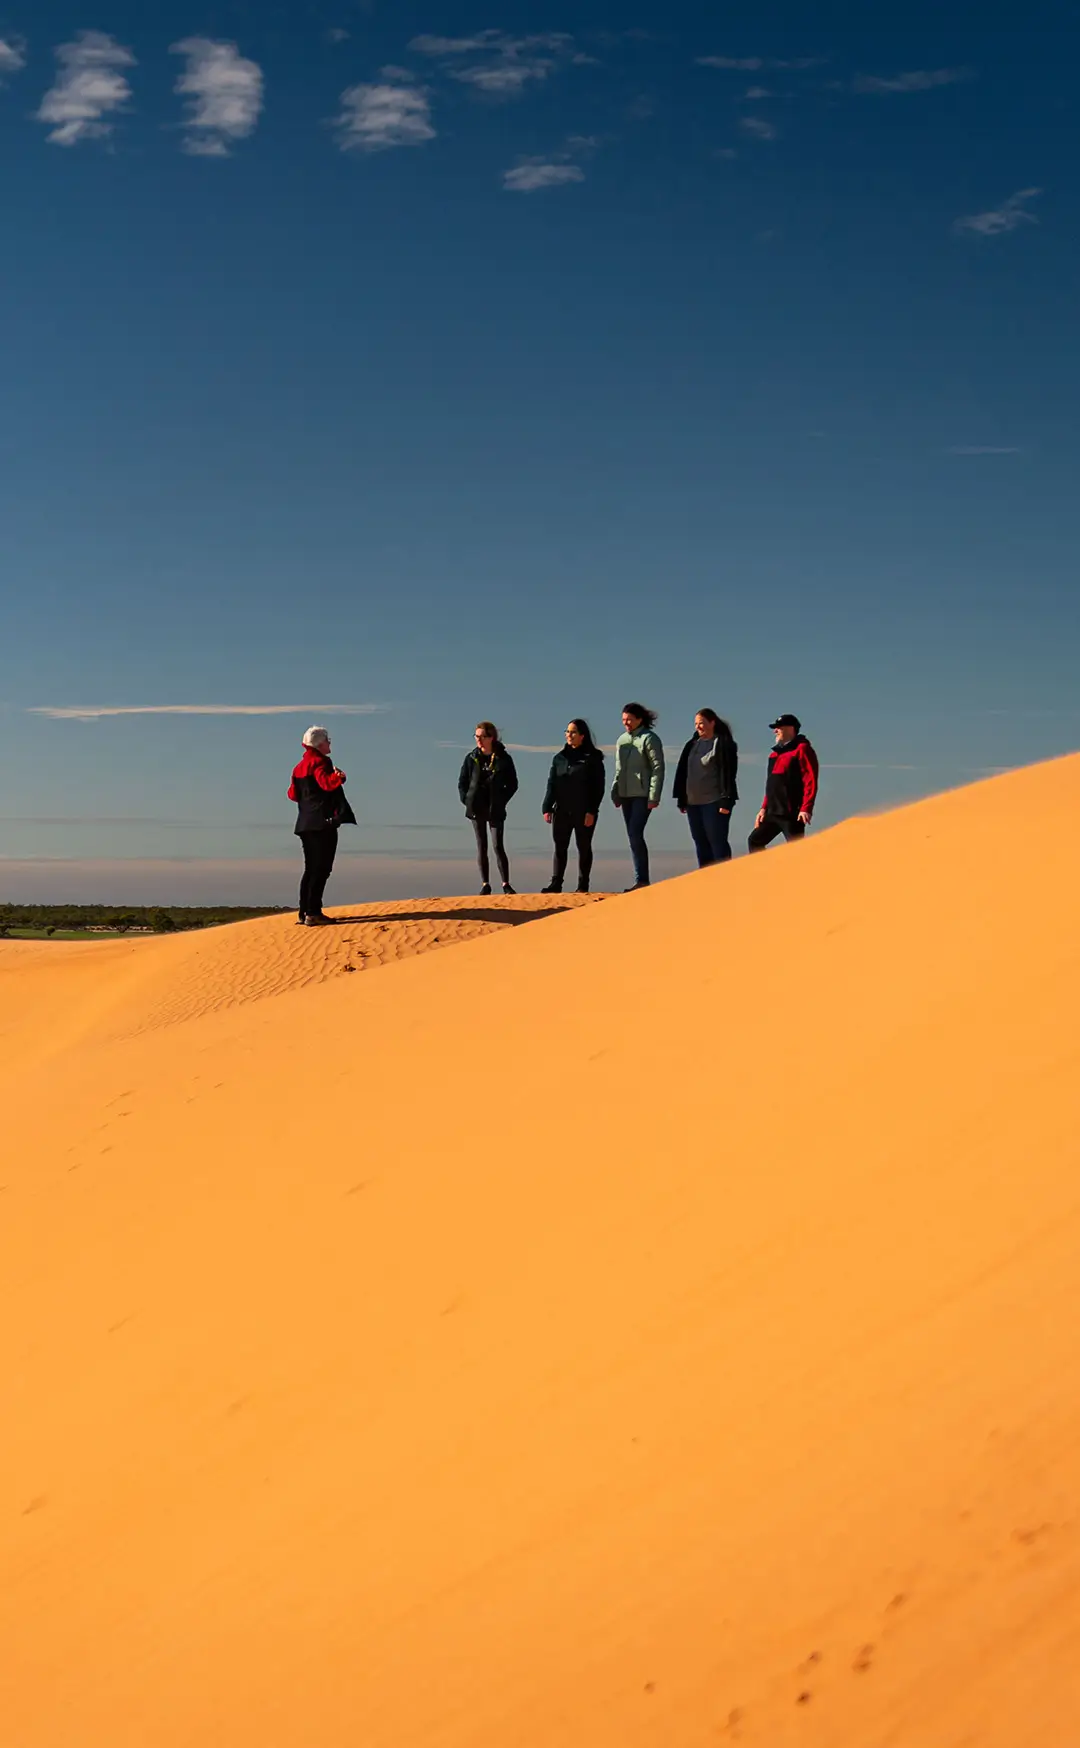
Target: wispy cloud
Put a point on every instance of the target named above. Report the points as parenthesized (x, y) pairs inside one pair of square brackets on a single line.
[(754, 93), (336, 34), (92, 712), (757, 127), (537, 173), (496, 63), (1009, 216), (984, 449), (376, 118), (924, 79), (224, 92), (12, 56), (757, 63), (90, 86)]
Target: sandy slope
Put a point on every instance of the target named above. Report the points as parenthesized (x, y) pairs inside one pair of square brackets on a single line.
[(654, 1327), (86, 991)]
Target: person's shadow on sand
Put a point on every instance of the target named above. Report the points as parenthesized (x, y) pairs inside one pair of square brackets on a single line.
[(456, 916)]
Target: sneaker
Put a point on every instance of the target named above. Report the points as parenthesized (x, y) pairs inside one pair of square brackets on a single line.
[(316, 922), (509, 891), (552, 888), (485, 890)]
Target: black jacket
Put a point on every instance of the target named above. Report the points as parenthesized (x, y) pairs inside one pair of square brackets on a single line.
[(576, 783), (486, 793), (728, 755), (321, 804)]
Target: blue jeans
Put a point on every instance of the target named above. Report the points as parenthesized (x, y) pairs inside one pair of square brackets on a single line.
[(709, 829), (636, 817)]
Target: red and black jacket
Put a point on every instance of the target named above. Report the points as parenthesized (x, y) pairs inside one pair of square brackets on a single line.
[(792, 782), (320, 799)]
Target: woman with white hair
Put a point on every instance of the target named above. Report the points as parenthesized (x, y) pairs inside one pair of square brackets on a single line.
[(317, 788)]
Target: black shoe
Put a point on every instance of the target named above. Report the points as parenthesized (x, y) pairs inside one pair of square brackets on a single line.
[(485, 890), (551, 888), (580, 888), (639, 886), (509, 890)]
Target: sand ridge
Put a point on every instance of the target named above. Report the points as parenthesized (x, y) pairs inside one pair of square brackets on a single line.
[(120, 989), (655, 1327)]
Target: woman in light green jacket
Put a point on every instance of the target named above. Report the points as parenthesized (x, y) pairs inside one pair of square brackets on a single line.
[(639, 782)]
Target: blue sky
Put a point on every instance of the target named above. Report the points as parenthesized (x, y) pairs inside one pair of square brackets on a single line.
[(514, 362)]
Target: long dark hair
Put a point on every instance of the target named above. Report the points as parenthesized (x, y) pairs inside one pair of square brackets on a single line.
[(588, 745), (645, 716), (721, 729)]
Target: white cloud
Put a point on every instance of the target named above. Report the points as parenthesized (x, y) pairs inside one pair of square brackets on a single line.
[(507, 63), (440, 46), (927, 79), (984, 449), (12, 55), (757, 63), (758, 127), (754, 93), (534, 173), (732, 63), (336, 34), (224, 92), (376, 118), (89, 86), (1009, 216), (92, 712)]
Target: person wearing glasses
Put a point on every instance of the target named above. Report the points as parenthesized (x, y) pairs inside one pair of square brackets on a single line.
[(317, 787), (639, 782), (486, 785), (705, 786), (575, 789)]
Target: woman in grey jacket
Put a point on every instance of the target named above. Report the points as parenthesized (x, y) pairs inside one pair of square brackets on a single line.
[(639, 782)]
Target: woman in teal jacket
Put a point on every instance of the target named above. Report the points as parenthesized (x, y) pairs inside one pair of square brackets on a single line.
[(639, 782)]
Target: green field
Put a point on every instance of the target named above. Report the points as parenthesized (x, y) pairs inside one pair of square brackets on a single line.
[(73, 934)]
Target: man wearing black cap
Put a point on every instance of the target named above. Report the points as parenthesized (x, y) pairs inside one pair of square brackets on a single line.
[(790, 787)]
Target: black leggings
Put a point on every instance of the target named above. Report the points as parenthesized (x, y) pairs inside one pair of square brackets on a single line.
[(320, 848), (563, 829), (481, 825)]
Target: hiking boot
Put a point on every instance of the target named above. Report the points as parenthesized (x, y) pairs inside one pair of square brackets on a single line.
[(316, 922)]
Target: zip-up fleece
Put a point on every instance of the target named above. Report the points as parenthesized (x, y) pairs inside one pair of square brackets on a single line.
[(639, 767), (316, 789), (792, 782)]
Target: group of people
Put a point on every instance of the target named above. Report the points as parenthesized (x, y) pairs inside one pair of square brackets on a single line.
[(705, 790)]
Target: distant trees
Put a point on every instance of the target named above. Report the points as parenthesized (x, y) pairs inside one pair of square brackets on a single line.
[(115, 919)]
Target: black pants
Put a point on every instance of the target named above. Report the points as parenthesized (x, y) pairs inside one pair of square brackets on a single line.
[(320, 848), (762, 835), (480, 826), (563, 829)]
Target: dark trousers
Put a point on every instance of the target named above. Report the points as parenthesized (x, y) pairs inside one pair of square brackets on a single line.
[(320, 848), (710, 830), (635, 818), (772, 827), (481, 825), (562, 830)]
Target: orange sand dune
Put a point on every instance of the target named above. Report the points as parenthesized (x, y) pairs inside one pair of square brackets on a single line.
[(87, 990), (655, 1327)]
